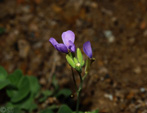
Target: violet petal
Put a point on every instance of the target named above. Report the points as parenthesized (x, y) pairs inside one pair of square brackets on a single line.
[(62, 48), (72, 46), (87, 49), (53, 42), (68, 36)]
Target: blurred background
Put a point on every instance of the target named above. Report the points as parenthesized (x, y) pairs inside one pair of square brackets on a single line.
[(117, 30)]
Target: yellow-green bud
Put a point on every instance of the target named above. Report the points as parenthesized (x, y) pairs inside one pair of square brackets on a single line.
[(70, 61)]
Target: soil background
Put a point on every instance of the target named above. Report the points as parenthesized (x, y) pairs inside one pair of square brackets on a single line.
[(117, 30)]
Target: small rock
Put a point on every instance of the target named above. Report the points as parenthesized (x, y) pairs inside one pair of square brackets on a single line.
[(24, 48), (142, 90), (137, 70), (56, 8), (26, 18), (25, 9), (145, 33), (37, 45), (33, 27), (43, 81), (108, 34), (143, 25), (109, 96), (102, 78), (130, 95), (94, 5), (103, 70)]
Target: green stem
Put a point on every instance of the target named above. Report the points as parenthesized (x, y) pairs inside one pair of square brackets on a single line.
[(78, 93), (85, 76), (78, 102), (73, 76)]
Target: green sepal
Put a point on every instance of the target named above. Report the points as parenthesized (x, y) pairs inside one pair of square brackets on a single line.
[(76, 60), (70, 61), (79, 56), (83, 63)]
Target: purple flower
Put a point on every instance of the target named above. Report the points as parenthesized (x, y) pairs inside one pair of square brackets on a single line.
[(87, 49), (68, 38)]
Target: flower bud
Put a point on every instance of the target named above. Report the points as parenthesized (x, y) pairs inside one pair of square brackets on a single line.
[(80, 57), (87, 67), (78, 67), (70, 61), (76, 60)]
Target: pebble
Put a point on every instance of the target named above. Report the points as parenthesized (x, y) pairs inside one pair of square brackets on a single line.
[(108, 34), (137, 70), (109, 96), (42, 81), (142, 90), (145, 33), (94, 5), (24, 48), (25, 9), (103, 70), (37, 45)]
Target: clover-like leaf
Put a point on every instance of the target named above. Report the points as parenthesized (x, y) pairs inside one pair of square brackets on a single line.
[(23, 90), (15, 77), (64, 92), (3, 74), (34, 85), (46, 111), (4, 83), (64, 109)]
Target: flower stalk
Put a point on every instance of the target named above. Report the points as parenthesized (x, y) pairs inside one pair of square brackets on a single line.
[(79, 92), (76, 62)]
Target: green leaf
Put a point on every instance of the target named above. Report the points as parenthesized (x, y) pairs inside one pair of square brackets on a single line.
[(15, 77), (11, 92), (96, 111), (55, 82), (18, 72), (64, 109), (46, 94), (27, 104), (23, 90), (2, 30), (12, 108), (34, 85), (46, 111), (52, 107), (79, 56), (64, 92), (80, 112), (3, 74), (17, 110), (70, 61), (42, 99), (4, 84)]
